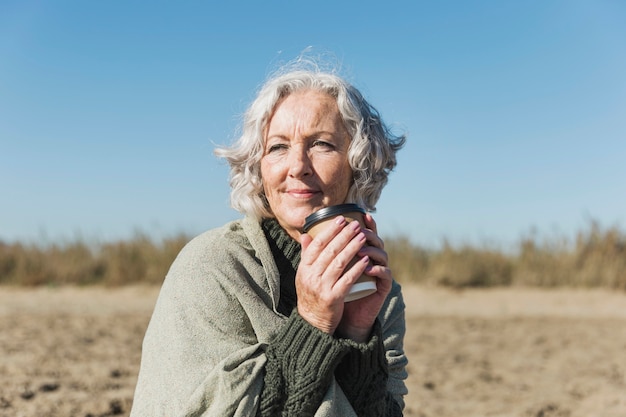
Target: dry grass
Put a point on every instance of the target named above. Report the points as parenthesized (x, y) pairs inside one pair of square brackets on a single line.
[(139, 260), (596, 257)]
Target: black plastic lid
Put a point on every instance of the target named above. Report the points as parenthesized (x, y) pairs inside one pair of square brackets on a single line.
[(327, 212)]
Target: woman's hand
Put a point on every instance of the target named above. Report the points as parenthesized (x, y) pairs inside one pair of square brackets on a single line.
[(322, 280)]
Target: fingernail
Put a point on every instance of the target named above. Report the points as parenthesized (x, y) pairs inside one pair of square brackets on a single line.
[(340, 220)]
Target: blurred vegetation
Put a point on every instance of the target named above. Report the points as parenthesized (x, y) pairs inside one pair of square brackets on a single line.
[(595, 257), (138, 260)]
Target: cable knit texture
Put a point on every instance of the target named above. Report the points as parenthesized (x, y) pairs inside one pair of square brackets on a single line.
[(300, 365), (363, 375)]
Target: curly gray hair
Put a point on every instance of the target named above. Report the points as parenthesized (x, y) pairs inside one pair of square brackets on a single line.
[(372, 152)]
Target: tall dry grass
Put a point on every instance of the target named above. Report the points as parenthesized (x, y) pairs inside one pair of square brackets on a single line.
[(138, 260), (595, 257)]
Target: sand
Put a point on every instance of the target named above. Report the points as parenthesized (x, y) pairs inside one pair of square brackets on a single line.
[(497, 352)]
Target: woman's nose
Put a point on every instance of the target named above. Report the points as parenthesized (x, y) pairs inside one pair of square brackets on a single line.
[(299, 163)]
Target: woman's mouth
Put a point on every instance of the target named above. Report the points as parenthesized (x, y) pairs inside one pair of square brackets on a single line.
[(303, 193)]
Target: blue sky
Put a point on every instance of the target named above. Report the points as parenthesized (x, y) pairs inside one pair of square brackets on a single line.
[(109, 111)]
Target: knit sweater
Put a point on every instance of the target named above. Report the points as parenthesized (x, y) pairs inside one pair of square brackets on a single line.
[(219, 340)]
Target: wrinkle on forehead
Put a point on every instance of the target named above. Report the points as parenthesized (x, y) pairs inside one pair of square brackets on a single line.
[(305, 113)]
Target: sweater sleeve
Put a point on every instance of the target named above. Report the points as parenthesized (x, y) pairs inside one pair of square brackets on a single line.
[(363, 374), (302, 360), (299, 369)]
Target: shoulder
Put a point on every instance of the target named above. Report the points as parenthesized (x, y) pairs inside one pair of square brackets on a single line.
[(236, 249), (231, 261), (231, 239)]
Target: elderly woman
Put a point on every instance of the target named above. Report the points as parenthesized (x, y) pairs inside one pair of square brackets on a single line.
[(251, 319)]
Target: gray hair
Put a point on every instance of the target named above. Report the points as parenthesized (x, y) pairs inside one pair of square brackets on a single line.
[(371, 155)]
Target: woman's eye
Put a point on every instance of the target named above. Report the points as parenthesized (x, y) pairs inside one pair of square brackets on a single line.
[(276, 147), (324, 144)]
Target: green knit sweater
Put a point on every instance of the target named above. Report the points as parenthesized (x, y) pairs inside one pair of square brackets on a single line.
[(301, 360)]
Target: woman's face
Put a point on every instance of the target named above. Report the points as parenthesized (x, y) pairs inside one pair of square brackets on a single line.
[(305, 158)]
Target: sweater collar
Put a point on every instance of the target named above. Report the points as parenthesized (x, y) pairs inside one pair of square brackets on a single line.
[(289, 248)]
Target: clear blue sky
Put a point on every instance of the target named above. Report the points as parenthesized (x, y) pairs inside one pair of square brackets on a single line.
[(110, 110)]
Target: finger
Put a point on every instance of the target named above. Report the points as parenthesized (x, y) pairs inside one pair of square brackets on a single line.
[(373, 239), (372, 231), (370, 223), (379, 271), (384, 278), (313, 248), (377, 255), (342, 247), (350, 276), (305, 241), (339, 262)]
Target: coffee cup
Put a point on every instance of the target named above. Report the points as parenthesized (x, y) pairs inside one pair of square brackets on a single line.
[(317, 221)]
